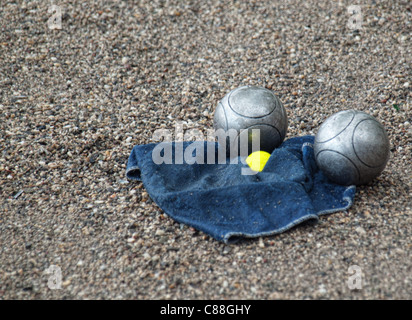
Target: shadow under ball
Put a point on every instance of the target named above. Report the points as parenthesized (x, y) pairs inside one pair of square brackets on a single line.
[(250, 107), (351, 147)]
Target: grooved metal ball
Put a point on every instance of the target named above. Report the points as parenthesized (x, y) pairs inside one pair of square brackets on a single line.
[(250, 107), (351, 147)]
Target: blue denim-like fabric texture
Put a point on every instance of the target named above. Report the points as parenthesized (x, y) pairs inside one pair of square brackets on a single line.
[(218, 200)]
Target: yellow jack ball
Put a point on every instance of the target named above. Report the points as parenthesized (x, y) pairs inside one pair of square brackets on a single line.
[(257, 160)]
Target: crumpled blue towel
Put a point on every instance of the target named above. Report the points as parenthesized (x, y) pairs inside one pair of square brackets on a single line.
[(228, 205)]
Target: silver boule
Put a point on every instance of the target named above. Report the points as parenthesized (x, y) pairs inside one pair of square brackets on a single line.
[(252, 107), (351, 147)]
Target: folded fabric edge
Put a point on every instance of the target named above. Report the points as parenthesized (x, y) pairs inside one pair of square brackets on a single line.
[(233, 237), (347, 194), (133, 173), (307, 144), (349, 191)]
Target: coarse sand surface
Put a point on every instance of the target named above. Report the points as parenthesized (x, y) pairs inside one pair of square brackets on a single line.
[(77, 94)]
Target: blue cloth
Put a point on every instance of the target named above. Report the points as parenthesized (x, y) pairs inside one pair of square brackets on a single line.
[(226, 204)]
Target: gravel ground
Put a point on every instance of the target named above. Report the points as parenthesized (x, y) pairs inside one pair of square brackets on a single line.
[(75, 100)]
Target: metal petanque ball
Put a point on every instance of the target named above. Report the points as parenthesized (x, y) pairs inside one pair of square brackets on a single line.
[(250, 107), (351, 147)]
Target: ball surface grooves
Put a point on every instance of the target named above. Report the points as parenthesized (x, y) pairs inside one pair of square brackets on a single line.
[(250, 107), (351, 147)]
